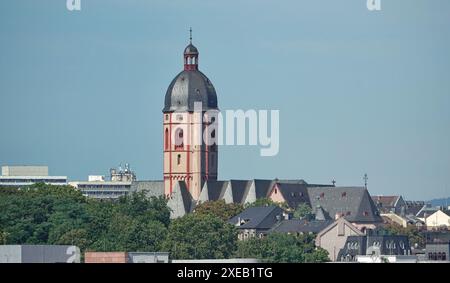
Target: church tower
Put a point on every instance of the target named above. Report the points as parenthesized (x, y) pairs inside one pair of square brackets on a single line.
[(190, 153)]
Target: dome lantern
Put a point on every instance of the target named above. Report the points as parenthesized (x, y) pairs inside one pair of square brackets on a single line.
[(190, 55)]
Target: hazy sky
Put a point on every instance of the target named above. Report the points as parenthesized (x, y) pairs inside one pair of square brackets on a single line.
[(358, 91)]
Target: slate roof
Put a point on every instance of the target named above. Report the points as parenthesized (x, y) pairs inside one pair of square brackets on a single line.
[(293, 193), (413, 207), (426, 211), (301, 226), (259, 217), (181, 201), (151, 188), (215, 189), (385, 201), (352, 203), (240, 190), (263, 187)]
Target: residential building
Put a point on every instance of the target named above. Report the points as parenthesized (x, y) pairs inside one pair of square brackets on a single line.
[(300, 226), (257, 221), (373, 244), (437, 246), (440, 219), (333, 237), (390, 204), (21, 176)]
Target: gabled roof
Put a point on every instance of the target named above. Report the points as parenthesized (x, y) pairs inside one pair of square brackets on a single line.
[(151, 188), (213, 190), (263, 187), (386, 201), (340, 221), (426, 211), (259, 217), (301, 226), (293, 193), (180, 202), (353, 203), (239, 189), (413, 207)]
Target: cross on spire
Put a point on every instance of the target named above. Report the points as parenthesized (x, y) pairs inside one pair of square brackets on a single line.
[(190, 35), (365, 180)]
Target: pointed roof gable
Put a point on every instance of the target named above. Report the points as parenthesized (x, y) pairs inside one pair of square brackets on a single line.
[(181, 201), (258, 217), (353, 203), (239, 189), (293, 193)]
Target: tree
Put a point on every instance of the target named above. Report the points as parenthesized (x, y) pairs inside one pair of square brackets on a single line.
[(281, 247), (266, 202), (197, 236), (415, 237), (303, 211), (3, 238), (46, 214), (219, 208)]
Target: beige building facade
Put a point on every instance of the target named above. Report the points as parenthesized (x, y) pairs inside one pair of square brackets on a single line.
[(333, 237)]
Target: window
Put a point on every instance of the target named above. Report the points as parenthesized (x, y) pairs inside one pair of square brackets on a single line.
[(167, 117), (179, 139), (344, 194), (166, 139), (213, 134), (322, 195), (178, 159), (365, 213)]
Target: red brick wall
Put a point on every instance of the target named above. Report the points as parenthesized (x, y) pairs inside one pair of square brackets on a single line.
[(105, 257)]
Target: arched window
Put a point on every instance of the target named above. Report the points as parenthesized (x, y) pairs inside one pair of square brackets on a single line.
[(178, 159), (213, 134), (179, 139), (166, 139)]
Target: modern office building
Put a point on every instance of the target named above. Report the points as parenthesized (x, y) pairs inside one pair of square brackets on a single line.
[(97, 186), (20, 176)]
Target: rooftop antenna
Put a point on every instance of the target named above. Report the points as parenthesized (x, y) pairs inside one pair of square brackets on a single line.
[(365, 180), (190, 35)]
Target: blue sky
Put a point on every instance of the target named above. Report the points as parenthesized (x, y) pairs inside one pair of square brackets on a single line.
[(358, 91)]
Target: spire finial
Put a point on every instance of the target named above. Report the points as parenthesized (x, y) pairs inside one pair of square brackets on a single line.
[(190, 35)]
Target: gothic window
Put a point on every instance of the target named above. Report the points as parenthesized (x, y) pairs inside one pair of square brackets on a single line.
[(179, 139), (166, 139)]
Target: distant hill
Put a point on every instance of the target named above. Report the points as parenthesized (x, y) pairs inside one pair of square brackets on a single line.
[(440, 202)]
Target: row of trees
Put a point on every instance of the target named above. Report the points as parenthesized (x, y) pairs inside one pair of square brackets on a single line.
[(43, 214)]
